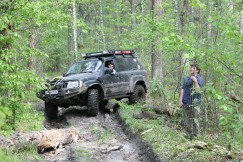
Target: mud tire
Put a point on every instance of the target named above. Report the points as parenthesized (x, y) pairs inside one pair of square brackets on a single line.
[(50, 111), (139, 95), (93, 102)]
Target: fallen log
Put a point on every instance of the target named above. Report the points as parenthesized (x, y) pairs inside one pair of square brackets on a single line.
[(156, 109), (44, 140), (237, 156), (150, 112), (58, 138), (5, 143)]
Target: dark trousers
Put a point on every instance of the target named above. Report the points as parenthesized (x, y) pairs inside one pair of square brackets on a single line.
[(191, 120)]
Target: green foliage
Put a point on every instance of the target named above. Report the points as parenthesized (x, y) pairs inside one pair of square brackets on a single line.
[(27, 119), (230, 118), (14, 80), (17, 81), (156, 89), (27, 154), (232, 123), (3, 112)]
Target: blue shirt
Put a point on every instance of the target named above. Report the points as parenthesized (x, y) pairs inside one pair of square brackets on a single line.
[(190, 97)]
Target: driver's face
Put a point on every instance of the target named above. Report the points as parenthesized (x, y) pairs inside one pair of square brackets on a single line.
[(110, 66)]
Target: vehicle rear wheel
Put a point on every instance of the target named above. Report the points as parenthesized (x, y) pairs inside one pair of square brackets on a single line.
[(93, 102), (50, 111), (138, 95)]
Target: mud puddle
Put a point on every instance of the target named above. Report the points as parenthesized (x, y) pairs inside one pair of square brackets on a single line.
[(103, 139)]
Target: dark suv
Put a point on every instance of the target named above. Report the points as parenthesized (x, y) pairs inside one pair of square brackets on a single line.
[(92, 83)]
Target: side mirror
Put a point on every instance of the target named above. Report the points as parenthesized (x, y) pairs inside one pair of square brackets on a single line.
[(64, 74)]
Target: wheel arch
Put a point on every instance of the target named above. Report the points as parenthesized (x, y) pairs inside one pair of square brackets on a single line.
[(142, 83), (100, 90)]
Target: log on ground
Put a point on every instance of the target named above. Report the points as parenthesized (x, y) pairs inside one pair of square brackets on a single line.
[(46, 139)]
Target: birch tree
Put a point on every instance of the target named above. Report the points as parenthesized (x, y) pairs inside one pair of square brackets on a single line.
[(32, 43), (102, 26), (75, 30), (241, 21), (133, 11)]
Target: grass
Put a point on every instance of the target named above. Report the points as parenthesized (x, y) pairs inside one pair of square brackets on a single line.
[(168, 143), (103, 135), (29, 153), (85, 154)]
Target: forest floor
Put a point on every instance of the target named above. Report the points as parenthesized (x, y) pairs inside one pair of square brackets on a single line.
[(117, 136), (109, 138)]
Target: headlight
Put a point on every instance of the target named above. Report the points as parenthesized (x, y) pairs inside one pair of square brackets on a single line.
[(74, 84)]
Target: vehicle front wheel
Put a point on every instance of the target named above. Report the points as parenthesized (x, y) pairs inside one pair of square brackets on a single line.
[(50, 111), (93, 102), (139, 95)]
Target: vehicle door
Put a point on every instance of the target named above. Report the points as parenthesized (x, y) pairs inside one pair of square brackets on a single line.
[(125, 75), (110, 81)]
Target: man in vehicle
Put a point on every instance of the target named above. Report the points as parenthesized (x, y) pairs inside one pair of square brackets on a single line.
[(190, 100), (111, 66)]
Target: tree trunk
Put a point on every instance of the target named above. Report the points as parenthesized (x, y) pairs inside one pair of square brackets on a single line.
[(69, 45), (133, 11), (157, 66), (241, 21), (102, 26), (75, 30), (32, 44), (117, 26), (176, 11)]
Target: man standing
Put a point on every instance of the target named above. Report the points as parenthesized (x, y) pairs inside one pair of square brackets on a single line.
[(190, 100)]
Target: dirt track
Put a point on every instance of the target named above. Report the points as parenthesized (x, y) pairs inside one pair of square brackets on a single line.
[(103, 139)]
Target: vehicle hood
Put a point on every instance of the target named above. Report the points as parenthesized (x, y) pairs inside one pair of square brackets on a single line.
[(81, 76)]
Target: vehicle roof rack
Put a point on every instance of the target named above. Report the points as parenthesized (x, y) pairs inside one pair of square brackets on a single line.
[(109, 53)]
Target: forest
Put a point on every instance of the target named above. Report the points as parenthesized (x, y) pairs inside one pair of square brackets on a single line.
[(41, 39)]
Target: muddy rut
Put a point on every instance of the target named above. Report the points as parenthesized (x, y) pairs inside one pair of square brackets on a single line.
[(103, 139)]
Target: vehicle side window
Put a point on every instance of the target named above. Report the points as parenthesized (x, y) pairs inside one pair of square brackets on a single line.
[(125, 64), (122, 64), (133, 64)]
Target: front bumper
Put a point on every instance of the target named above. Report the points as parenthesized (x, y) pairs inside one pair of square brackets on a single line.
[(61, 96)]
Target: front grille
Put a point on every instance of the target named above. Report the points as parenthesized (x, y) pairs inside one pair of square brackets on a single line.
[(64, 84)]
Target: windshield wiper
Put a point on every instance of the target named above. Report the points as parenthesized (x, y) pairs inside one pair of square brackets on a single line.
[(86, 72), (69, 74)]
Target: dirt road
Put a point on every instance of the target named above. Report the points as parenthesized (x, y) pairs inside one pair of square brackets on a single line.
[(103, 139)]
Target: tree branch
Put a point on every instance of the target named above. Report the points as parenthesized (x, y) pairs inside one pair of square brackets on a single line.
[(229, 68)]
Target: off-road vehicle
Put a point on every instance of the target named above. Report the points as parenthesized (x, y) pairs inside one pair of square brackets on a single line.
[(91, 83)]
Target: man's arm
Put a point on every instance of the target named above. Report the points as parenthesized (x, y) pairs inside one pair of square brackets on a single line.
[(197, 87), (181, 97)]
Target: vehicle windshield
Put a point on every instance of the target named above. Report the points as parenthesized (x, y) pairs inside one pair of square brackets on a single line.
[(87, 66)]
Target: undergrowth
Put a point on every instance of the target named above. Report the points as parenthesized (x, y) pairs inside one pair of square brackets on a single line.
[(167, 142), (29, 153), (27, 118)]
